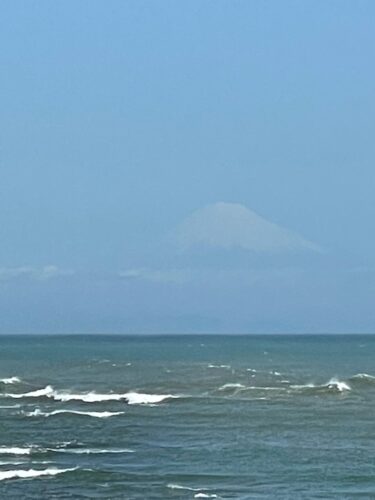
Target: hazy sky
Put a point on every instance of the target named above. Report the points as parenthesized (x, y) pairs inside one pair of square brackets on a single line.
[(190, 166)]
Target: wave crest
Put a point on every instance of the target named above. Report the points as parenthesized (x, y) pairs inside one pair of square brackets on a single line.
[(15, 450), (10, 380), (205, 495), (363, 377), (96, 414), (32, 473), (231, 386), (334, 385), (89, 451), (131, 398)]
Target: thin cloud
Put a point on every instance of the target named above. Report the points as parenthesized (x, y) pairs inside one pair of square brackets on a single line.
[(232, 225), (33, 273), (176, 276)]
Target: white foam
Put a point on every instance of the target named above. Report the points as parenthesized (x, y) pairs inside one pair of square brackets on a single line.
[(135, 398), (14, 450), (96, 414), (305, 386), (199, 491), (131, 397), (173, 486), (10, 380), (89, 451), (12, 462), (94, 397), (219, 366), (31, 473), (332, 384), (264, 388), (231, 386), (364, 376), (88, 397), (338, 385), (46, 391), (205, 495)]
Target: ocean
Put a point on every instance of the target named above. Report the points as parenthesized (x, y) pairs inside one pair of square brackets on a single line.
[(185, 417)]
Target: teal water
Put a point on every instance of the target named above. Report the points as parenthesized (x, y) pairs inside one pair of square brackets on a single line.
[(183, 417)]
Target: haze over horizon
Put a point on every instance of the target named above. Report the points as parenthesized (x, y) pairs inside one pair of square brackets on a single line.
[(187, 167)]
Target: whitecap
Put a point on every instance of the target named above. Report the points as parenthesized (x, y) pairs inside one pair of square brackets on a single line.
[(173, 486), (305, 386), (12, 462), (87, 397), (131, 397), (364, 376), (219, 366), (205, 495), (15, 450), (26, 461), (96, 414), (338, 385), (135, 398), (10, 380), (264, 388), (231, 386), (199, 491), (94, 397), (333, 384), (89, 451), (32, 473), (46, 391)]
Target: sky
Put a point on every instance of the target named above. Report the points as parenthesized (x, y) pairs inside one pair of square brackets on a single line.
[(187, 167)]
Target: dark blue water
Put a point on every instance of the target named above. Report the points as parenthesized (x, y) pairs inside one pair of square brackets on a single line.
[(185, 417)]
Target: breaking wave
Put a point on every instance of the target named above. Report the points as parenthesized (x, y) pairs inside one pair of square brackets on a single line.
[(135, 398), (132, 398), (15, 450), (89, 451), (334, 385), (96, 414), (199, 491), (173, 486), (32, 473), (338, 385), (10, 380), (263, 388), (12, 462), (35, 450), (231, 386), (46, 391), (363, 377), (205, 495)]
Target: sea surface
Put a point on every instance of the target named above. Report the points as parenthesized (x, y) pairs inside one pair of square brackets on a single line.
[(185, 417)]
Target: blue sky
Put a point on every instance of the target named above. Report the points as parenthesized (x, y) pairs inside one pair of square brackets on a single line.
[(187, 166)]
